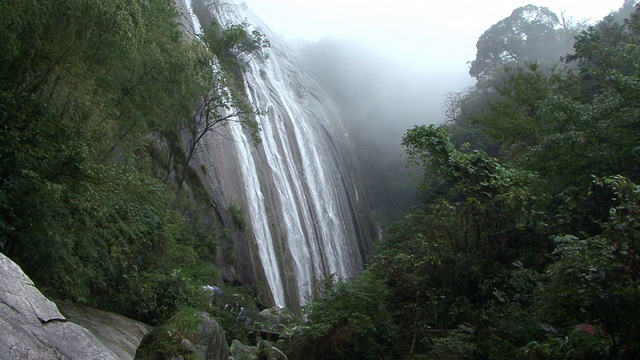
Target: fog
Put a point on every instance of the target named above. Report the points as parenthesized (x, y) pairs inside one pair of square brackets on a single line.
[(381, 96), (389, 65), (424, 36), (432, 34)]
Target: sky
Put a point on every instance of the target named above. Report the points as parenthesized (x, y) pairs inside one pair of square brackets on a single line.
[(430, 42), (416, 29)]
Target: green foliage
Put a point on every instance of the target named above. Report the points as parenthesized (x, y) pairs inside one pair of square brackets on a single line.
[(532, 253), (594, 280), (347, 320), (238, 216), (560, 124), (215, 94), (167, 342), (470, 172), (529, 252), (94, 97), (529, 34), (155, 296), (460, 256), (186, 322), (234, 45), (226, 309), (515, 115), (265, 351), (457, 344), (460, 108), (576, 345)]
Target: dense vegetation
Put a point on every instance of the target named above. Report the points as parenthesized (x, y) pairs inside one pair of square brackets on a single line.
[(102, 106), (527, 242)]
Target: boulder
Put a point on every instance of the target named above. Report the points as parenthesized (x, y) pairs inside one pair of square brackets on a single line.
[(32, 327), (241, 351), (264, 351), (186, 334), (119, 333), (277, 319)]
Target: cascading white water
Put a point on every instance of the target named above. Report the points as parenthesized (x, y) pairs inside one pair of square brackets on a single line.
[(255, 198), (296, 196), (257, 214)]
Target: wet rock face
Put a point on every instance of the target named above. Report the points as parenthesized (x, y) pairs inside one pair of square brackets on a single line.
[(32, 327), (300, 188)]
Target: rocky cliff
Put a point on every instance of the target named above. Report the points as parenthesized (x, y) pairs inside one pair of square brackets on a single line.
[(300, 188)]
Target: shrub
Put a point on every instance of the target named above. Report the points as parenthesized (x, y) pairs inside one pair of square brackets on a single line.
[(348, 320)]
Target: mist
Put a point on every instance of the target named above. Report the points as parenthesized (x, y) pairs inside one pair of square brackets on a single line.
[(381, 97), (389, 67)]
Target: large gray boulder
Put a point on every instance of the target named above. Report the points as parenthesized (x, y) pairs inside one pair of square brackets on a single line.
[(277, 319), (187, 334), (240, 351), (119, 333), (32, 327)]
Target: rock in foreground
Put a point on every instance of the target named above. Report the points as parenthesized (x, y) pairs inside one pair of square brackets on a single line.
[(187, 334), (120, 334), (32, 327)]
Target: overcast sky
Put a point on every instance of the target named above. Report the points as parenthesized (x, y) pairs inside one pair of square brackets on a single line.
[(430, 41), (429, 32)]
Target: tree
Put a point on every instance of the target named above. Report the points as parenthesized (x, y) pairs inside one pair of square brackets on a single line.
[(217, 66), (591, 285), (453, 105), (532, 253), (563, 122), (449, 263), (348, 320), (514, 115), (529, 34)]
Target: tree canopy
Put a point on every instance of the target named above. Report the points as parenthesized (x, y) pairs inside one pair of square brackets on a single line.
[(529, 34)]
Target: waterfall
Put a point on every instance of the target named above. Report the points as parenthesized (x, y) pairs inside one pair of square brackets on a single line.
[(300, 184)]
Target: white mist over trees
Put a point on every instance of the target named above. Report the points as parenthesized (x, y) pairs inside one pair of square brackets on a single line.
[(384, 92), (530, 33), (382, 97)]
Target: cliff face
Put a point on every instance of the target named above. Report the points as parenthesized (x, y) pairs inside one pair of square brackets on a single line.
[(300, 188)]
